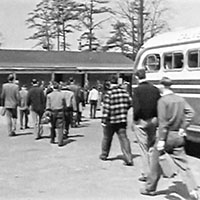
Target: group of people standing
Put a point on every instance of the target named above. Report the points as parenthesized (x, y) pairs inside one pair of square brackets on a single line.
[(160, 121)]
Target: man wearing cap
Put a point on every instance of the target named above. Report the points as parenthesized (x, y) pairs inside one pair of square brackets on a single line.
[(145, 98), (174, 116), (36, 102), (10, 100)]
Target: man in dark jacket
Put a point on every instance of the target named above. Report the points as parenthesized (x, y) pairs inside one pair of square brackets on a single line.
[(145, 98), (36, 102), (77, 95)]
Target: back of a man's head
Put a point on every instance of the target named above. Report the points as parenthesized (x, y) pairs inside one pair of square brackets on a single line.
[(114, 79), (10, 78), (34, 81), (56, 85), (24, 87), (167, 82), (71, 80), (141, 74)]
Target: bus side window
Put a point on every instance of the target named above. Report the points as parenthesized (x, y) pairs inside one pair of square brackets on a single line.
[(193, 59), (173, 61), (168, 61), (178, 60), (152, 62)]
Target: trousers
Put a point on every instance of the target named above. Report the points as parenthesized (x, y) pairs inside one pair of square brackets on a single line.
[(146, 139), (57, 125), (23, 114), (120, 130), (38, 128), (11, 116), (180, 159)]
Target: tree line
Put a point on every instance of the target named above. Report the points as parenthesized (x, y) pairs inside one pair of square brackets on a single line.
[(132, 23)]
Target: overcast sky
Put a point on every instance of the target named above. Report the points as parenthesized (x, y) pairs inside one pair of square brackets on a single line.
[(13, 13)]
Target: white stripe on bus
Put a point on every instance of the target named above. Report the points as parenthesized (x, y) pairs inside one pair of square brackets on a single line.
[(188, 95), (178, 86)]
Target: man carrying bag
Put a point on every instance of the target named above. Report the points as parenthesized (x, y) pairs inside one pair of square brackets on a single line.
[(174, 116)]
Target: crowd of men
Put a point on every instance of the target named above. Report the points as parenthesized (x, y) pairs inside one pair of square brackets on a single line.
[(58, 104), (160, 120)]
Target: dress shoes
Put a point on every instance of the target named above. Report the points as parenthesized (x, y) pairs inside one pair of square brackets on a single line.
[(142, 178), (102, 157), (144, 191), (52, 141), (38, 138), (60, 144), (12, 134), (128, 163)]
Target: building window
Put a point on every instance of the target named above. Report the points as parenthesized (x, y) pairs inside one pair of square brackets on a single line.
[(152, 62)]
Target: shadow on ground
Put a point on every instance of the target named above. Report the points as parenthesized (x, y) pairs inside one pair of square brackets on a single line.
[(178, 191)]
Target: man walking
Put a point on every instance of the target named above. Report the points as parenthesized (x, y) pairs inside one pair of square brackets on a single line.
[(23, 108), (114, 120), (10, 100), (145, 98), (55, 105), (70, 107), (77, 94), (93, 99), (174, 116), (36, 102)]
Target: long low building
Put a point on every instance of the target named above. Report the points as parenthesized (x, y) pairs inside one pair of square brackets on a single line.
[(84, 67)]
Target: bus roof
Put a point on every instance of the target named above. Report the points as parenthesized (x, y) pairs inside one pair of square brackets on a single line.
[(176, 37)]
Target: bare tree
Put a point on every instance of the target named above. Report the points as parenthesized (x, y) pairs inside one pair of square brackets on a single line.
[(154, 18), (142, 20)]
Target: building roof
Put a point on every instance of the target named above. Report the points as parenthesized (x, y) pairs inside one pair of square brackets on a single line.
[(63, 60)]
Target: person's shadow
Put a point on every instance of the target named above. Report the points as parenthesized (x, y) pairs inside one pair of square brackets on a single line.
[(69, 139), (178, 191), (24, 133), (121, 157)]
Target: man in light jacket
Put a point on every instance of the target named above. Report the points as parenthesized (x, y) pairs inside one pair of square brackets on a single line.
[(10, 100)]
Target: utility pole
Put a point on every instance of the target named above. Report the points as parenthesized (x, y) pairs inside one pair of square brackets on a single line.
[(140, 31), (91, 26)]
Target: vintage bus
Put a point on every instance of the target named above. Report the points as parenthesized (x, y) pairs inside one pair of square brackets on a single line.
[(177, 56)]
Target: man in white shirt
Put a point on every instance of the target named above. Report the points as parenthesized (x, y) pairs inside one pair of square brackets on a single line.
[(93, 99)]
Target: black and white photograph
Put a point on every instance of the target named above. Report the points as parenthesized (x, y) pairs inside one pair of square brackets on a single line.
[(100, 100)]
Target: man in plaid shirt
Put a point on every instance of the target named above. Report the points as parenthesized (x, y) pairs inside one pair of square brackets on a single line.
[(116, 104)]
